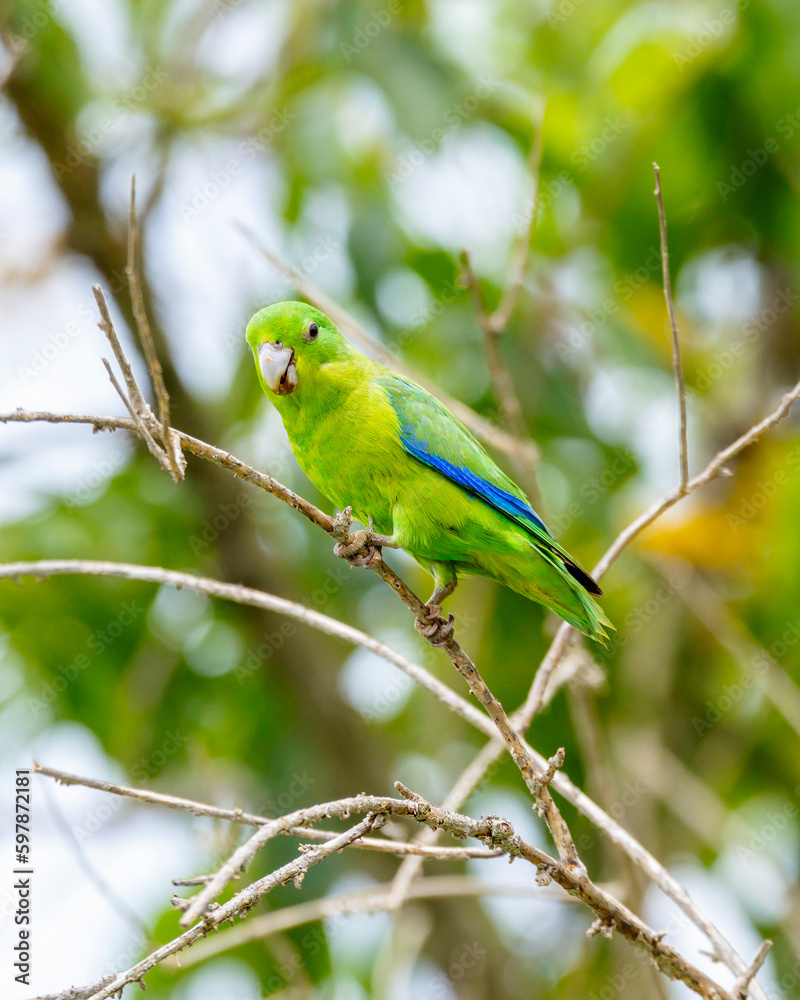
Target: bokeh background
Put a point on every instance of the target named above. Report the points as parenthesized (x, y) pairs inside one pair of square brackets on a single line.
[(368, 144)]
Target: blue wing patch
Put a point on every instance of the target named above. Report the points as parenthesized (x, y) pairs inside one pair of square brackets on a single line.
[(421, 418), (503, 501)]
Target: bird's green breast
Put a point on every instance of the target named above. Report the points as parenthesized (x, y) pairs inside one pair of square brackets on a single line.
[(350, 450)]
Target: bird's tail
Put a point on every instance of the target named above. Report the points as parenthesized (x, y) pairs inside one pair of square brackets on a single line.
[(543, 577), (591, 619)]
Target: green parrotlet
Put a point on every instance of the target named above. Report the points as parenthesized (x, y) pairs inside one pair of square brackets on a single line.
[(372, 440)]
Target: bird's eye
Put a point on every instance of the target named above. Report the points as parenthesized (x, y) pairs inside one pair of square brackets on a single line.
[(312, 332)]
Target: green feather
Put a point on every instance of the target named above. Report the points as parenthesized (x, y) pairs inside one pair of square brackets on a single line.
[(356, 429)]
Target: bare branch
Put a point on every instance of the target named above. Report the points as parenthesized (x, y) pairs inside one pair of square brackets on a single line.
[(521, 249), (249, 819), (134, 392), (245, 595), (258, 599), (742, 984), (77, 992), (369, 900), (141, 427), (493, 325), (507, 397), (714, 468), (492, 831), (177, 463), (239, 905), (673, 325), (535, 780), (197, 447)]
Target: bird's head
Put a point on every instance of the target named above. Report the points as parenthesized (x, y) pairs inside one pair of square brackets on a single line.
[(292, 343)]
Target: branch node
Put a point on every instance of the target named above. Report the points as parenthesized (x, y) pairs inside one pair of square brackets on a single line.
[(742, 984), (603, 925), (407, 793), (554, 764), (342, 524)]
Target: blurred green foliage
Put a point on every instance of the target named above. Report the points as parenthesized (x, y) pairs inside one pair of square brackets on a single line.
[(350, 95)]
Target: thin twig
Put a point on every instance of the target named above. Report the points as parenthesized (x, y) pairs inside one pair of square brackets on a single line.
[(742, 984), (493, 325), (171, 446), (716, 467), (505, 392), (115, 902), (521, 249), (259, 599), (382, 846), (239, 905), (673, 325), (369, 900), (134, 392), (141, 427)]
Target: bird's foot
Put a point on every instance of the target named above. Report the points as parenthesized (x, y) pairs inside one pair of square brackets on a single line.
[(432, 626), (360, 550)]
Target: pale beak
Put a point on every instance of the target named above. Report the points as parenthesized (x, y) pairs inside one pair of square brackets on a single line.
[(278, 368)]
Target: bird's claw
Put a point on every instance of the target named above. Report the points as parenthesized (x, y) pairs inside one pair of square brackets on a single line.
[(432, 626), (359, 551)]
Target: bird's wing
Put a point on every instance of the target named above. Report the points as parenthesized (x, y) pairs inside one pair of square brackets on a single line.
[(432, 435)]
